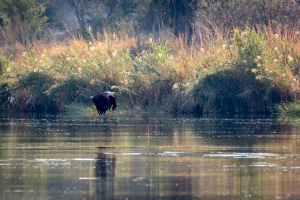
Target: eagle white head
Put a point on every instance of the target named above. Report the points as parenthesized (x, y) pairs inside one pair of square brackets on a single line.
[(109, 93)]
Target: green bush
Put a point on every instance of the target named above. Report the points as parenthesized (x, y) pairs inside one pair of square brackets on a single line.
[(240, 86), (251, 46), (288, 108), (4, 64), (21, 20)]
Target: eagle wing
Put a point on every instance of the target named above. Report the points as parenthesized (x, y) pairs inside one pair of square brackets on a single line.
[(101, 103), (112, 103)]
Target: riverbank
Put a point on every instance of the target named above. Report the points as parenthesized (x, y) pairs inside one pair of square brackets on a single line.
[(249, 70)]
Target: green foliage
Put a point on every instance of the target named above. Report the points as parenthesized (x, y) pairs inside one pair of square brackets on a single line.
[(251, 46), (273, 67), (24, 19), (233, 91), (154, 75), (243, 85), (4, 64), (79, 108), (288, 108)]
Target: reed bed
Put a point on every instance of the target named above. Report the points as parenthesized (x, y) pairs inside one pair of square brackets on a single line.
[(250, 69)]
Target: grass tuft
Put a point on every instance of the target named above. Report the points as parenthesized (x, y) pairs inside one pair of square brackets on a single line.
[(289, 108)]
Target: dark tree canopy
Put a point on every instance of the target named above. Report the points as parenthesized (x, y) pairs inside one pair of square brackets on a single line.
[(25, 18)]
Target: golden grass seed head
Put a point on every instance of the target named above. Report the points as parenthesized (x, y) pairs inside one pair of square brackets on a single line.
[(254, 70)]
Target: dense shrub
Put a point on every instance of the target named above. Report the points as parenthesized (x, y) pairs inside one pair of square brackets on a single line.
[(259, 77)]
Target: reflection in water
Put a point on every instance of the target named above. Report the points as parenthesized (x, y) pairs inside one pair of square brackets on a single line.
[(149, 157), (105, 165), (105, 171)]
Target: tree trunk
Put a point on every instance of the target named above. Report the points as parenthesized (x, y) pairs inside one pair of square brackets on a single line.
[(188, 15), (176, 14), (79, 8)]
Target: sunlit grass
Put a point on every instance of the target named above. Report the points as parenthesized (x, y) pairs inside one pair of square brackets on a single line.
[(157, 73)]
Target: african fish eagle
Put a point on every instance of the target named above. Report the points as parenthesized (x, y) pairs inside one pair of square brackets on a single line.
[(104, 102)]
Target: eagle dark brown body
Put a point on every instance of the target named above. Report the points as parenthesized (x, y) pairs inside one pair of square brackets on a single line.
[(104, 102)]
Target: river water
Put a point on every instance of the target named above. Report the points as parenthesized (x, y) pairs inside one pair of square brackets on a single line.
[(145, 156)]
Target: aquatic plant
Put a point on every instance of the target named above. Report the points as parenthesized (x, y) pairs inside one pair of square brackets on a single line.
[(288, 108)]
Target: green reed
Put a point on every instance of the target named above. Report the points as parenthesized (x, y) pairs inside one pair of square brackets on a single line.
[(248, 71)]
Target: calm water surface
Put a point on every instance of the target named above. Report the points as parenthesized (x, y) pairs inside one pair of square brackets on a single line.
[(143, 156)]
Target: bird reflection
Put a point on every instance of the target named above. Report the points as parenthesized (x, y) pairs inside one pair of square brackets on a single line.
[(105, 165), (105, 171)]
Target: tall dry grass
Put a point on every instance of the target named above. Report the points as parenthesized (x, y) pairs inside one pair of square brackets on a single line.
[(245, 70)]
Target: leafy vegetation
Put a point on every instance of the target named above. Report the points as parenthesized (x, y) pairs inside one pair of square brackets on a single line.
[(21, 20), (288, 108), (238, 69), (250, 74)]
